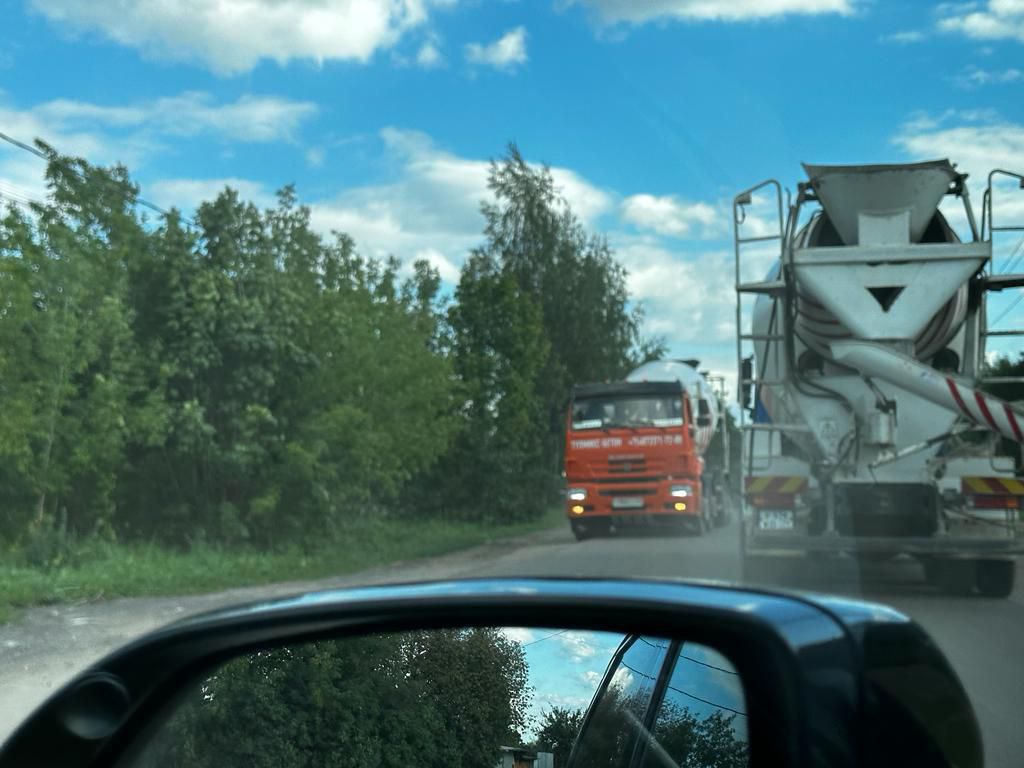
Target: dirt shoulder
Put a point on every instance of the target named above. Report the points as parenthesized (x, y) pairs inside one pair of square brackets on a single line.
[(46, 646)]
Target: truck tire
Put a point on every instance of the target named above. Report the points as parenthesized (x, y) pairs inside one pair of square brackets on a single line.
[(956, 577), (589, 530), (996, 577), (579, 531)]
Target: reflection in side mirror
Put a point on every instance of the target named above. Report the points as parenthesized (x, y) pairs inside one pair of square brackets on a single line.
[(704, 421), (508, 697)]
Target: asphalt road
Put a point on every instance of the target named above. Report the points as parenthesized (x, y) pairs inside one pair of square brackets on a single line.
[(983, 638)]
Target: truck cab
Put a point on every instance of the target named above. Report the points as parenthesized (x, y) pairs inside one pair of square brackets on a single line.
[(630, 458)]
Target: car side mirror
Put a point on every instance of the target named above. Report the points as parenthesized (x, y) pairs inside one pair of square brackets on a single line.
[(467, 672), (704, 420)]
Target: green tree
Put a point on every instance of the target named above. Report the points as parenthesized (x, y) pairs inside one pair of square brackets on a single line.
[(698, 742), (447, 696), (541, 305), (68, 356), (532, 234), (497, 467), (557, 732)]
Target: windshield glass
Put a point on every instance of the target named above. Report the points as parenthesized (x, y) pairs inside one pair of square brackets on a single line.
[(626, 411), (307, 293)]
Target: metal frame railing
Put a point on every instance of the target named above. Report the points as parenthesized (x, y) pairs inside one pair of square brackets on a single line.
[(994, 281)]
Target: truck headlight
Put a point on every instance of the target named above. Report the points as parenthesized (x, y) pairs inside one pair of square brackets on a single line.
[(681, 491), (577, 494)]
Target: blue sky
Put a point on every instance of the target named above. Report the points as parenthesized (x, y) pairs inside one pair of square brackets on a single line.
[(566, 666), (653, 113)]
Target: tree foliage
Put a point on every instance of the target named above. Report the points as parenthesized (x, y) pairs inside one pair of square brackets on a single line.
[(447, 696), (540, 305), (241, 378), (557, 732)]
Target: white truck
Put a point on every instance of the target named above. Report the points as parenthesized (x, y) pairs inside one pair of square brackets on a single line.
[(861, 359)]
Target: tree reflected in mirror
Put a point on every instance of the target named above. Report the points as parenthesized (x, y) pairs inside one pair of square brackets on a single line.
[(456, 698)]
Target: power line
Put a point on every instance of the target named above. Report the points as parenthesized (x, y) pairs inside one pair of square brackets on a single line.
[(542, 639), (1014, 257), (18, 196), (1020, 295), (705, 664), (39, 153), (705, 701), (22, 145)]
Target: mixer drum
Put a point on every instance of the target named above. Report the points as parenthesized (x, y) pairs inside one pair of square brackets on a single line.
[(817, 327)]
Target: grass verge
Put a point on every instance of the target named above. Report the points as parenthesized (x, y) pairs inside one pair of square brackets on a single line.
[(117, 570)]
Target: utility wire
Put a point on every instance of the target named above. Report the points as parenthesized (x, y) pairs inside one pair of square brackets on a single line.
[(546, 637), (1005, 312), (705, 701), (39, 153), (1014, 257)]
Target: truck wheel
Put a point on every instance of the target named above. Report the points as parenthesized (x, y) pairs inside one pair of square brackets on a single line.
[(995, 577), (956, 577), (589, 530), (932, 570)]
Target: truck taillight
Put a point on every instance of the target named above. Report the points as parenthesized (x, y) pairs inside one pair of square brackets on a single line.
[(773, 500), (993, 501)]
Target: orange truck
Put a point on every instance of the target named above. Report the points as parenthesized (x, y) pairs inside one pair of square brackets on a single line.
[(631, 458)]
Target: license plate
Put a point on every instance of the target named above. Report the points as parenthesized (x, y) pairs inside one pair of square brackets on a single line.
[(628, 502), (775, 520)]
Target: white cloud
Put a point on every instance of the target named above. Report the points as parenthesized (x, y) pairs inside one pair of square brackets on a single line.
[(434, 203), (577, 645), (248, 119), (643, 11), (233, 36), (976, 141), (998, 20), (429, 55), (445, 267), (903, 37), (669, 216), (135, 133), (667, 280), (973, 77), (518, 634), (622, 679), (315, 157), (77, 126), (505, 53), (187, 194)]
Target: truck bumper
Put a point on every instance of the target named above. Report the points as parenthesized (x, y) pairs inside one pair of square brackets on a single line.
[(795, 544), (635, 505)]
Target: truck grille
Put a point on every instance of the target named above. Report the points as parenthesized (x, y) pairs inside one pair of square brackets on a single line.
[(631, 464)]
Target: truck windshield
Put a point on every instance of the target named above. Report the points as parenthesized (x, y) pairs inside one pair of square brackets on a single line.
[(627, 411)]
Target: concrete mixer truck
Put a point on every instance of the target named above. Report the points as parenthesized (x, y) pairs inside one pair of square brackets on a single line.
[(634, 452), (861, 360)]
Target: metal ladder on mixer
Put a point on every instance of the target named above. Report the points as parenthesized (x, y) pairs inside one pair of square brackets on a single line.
[(995, 280), (775, 287)]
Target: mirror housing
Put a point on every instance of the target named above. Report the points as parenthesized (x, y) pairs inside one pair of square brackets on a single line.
[(827, 681)]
